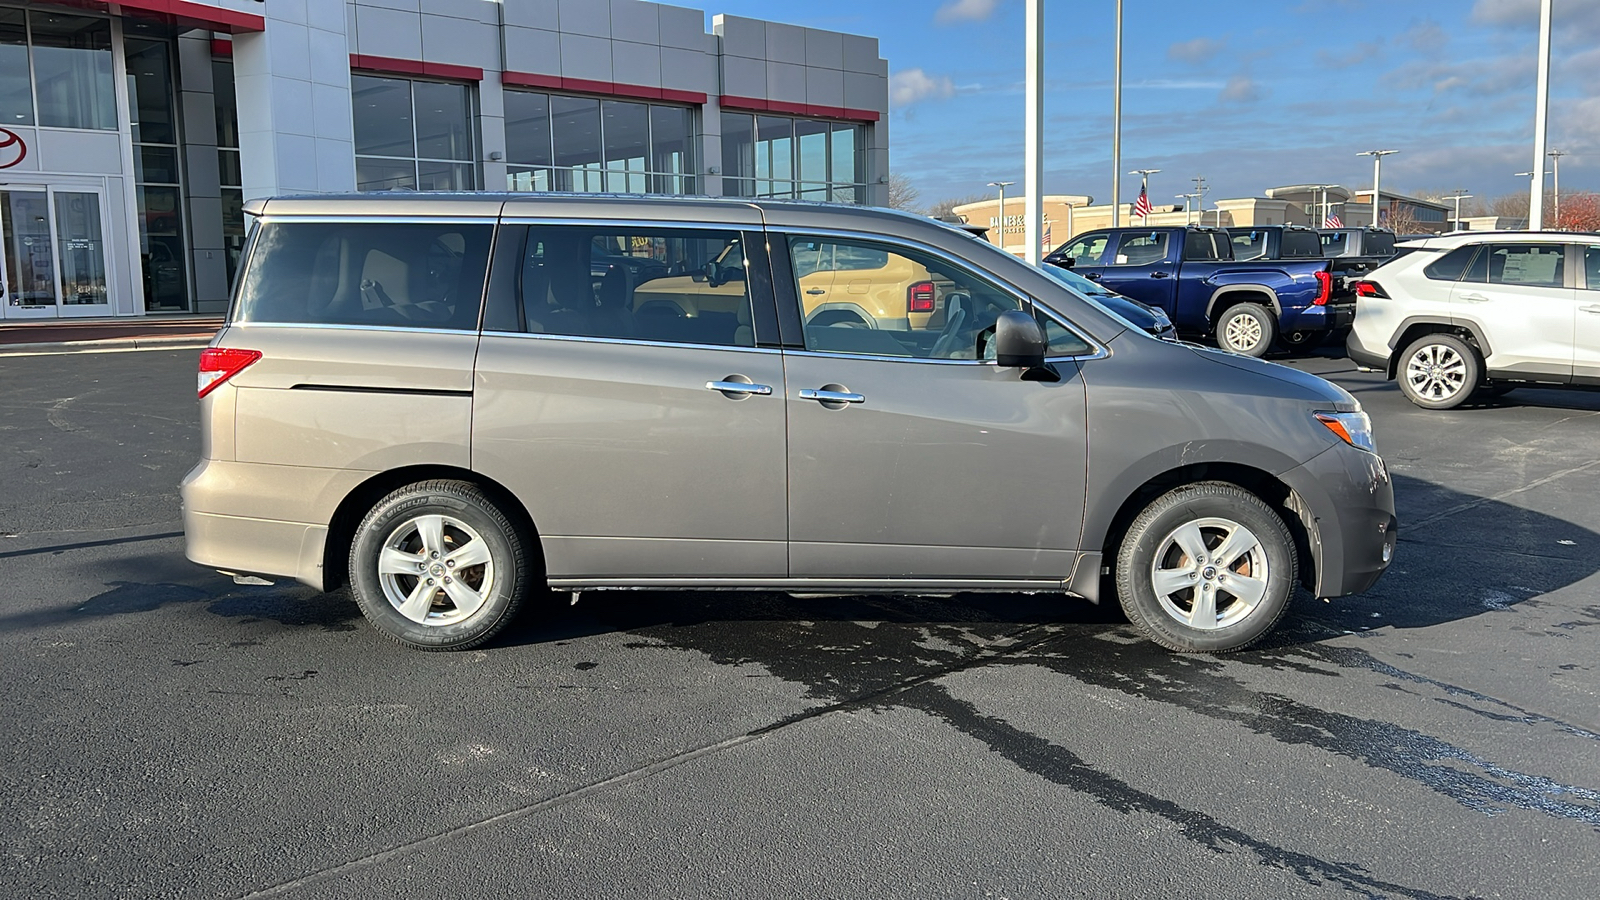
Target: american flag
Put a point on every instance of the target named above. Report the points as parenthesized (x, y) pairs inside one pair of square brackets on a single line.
[(1045, 241), (1141, 207), (1332, 221)]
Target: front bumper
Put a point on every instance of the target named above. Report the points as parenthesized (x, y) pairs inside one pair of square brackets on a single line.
[(1348, 509)]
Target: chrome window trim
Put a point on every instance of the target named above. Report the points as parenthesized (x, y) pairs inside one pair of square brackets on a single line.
[(1097, 350), (630, 342), (589, 222), (369, 219), (336, 326)]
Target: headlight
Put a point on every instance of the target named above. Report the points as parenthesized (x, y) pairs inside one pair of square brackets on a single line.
[(1354, 428)]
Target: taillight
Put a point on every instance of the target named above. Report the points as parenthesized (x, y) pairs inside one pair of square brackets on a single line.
[(218, 364), (1324, 288), (919, 297), (1370, 289)]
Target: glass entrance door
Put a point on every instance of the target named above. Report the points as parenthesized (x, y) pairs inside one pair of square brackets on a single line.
[(54, 253)]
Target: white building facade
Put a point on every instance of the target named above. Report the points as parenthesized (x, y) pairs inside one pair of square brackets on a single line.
[(132, 132)]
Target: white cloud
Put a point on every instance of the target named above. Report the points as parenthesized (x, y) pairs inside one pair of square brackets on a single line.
[(1240, 89), (1196, 51), (1567, 17), (909, 86), (965, 11)]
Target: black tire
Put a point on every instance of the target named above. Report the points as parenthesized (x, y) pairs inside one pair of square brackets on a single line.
[(1242, 620), (502, 581), (1439, 371), (1247, 329)]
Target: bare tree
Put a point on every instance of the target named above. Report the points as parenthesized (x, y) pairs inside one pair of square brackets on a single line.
[(902, 193), (1513, 206), (947, 206), (1402, 219)]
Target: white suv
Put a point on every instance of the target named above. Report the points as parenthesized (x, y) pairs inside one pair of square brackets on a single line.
[(1487, 311)]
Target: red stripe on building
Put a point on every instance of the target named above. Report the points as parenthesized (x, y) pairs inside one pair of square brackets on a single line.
[(601, 88), (390, 66), (193, 15), (754, 104)]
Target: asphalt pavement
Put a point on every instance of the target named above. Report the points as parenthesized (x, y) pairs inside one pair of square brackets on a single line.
[(171, 734)]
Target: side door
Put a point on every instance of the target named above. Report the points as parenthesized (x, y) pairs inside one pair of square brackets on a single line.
[(1086, 253), (640, 423), (912, 459), (1586, 337), (1519, 297), (1144, 266)]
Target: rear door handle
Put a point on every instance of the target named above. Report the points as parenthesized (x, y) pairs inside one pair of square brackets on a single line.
[(832, 396), (1475, 298), (739, 387), (815, 291), (1591, 308), (1159, 275)]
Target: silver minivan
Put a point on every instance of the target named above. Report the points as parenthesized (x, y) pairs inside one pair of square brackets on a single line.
[(455, 404)]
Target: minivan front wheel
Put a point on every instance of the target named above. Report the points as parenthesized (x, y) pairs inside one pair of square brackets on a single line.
[(437, 566), (1207, 567)]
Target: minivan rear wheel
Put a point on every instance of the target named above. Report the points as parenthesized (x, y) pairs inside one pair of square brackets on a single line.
[(437, 566), (1207, 567)]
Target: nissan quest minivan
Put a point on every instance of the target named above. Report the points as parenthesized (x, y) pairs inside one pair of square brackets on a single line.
[(453, 404)]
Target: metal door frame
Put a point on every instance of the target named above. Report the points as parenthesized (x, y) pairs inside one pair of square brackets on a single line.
[(60, 310)]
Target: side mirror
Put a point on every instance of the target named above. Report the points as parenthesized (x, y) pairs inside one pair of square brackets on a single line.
[(1067, 262), (1018, 341), (714, 274)]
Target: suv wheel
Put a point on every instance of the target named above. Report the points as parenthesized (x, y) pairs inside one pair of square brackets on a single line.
[(437, 566), (1247, 328), (1206, 568), (1439, 371)]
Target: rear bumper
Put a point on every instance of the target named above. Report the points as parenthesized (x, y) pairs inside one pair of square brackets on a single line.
[(1329, 317), (247, 518), (1362, 356), (1349, 500)]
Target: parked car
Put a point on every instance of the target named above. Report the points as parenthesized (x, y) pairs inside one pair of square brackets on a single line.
[(1482, 312), (540, 433), (1150, 319), (1245, 307)]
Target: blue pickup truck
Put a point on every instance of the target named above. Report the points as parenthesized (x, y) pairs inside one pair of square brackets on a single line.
[(1247, 307)]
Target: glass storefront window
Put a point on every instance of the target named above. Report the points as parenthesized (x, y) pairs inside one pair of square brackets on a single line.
[(158, 175), (150, 93), (72, 71), (412, 135), (780, 156), (230, 175), (561, 143), (16, 83)]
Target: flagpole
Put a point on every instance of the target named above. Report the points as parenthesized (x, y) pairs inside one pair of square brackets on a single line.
[(1144, 191)]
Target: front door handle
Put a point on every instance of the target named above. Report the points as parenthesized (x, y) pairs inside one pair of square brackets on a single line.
[(739, 387), (1475, 298), (1093, 276), (827, 396), (1159, 275), (815, 291), (1591, 308)]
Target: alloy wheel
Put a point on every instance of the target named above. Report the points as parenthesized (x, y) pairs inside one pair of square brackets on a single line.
[(1210, 573), (436, 570), (1436, 372)]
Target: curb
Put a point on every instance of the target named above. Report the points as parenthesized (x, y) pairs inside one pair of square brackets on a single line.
[(112, 345)]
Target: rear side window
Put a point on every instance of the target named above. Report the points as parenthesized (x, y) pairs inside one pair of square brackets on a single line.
[(1300, 245), (1141, 249), (1591, 266), (405, 275), (1379, 243), (1452, 265), (1336, 244), (1250, 245), (661, 285), (1205, 246), (1539, 265)]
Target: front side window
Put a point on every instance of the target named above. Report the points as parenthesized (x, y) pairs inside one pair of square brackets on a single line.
[(1087, 250), (412, 135), (408, 275), (649, 284), (872, 299), (560, 143), (1141, 249), (1538, 265)]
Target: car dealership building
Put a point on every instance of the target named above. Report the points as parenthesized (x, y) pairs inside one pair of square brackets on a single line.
[(132, 132)]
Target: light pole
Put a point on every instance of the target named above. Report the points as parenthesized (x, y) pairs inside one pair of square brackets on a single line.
[(1377, 174), (1144, 185), (1541, 115), (1116, 129), (1002, 185), (1187, 220), (1459, 194), (1555, 164), (1033, 128), (1538, 184)]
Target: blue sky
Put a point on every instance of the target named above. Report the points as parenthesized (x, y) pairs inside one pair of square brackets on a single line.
[(1249, 93)]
